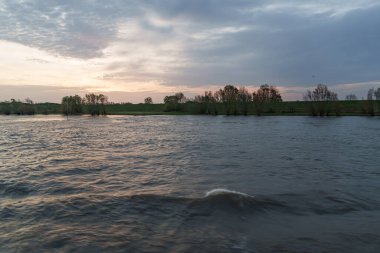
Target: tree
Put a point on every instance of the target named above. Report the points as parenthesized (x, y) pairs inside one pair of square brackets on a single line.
[(321, 100), (96, 103), (268, 94), (244, 99), (351, 97), (229, 97), (148, 100), (377, 94), (172, 103), (180, 97), (371, 94), (377, 97), (206, 103), (369, 105), (72, 105), (264, 95)]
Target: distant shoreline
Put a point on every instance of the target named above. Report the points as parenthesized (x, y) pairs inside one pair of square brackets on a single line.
[(288, 108)]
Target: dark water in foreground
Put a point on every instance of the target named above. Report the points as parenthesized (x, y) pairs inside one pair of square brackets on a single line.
[(147, 184)]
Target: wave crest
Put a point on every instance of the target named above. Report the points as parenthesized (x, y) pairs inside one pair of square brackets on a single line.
[(221, 191)]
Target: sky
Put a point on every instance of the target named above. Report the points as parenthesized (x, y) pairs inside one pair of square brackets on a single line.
[(131, 49)]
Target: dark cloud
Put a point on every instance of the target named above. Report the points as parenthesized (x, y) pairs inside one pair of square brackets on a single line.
[(293, 50)]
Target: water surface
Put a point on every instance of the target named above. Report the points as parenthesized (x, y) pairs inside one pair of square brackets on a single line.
[(150, 184)]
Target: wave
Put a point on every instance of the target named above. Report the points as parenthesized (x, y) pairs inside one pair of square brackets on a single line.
[(225, 200), (221, 191), (222, 201)]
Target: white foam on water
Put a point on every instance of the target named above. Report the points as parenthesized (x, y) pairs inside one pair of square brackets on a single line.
[(221, 191)]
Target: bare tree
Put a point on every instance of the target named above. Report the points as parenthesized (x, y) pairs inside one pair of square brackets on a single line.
[(321, 100), (377, 94), (371, 94), (369, 105), (96, 103)]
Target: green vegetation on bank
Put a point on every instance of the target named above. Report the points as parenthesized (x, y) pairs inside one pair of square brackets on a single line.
[(357, 107), (227, 101), (278, 108)]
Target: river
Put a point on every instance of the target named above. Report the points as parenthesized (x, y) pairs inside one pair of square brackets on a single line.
[(189, 184)]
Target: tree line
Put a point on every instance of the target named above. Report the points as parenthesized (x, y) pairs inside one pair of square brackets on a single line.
[(229, 100), (236, 101), (239, 101)]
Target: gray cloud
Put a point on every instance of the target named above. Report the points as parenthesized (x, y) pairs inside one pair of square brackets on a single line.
[(293, 50), (70, 28), (232, 41)]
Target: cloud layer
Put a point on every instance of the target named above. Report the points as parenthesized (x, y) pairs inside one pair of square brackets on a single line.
[(201, 43)]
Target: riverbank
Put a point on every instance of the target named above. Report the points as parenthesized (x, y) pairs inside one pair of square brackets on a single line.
[(291, 108)]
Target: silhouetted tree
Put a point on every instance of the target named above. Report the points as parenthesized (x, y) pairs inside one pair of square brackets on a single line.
[(148, 100), (265, 95), (173, 103), (180, 97), (206, 103), (321, 100), (369, 104), (244, 99), (229, 97)]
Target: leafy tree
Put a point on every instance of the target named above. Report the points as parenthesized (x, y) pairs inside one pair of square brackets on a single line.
[(72, 105), (321, 100), (148, 100)]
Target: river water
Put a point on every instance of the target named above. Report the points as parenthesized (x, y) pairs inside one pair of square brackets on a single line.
[(189, 184)]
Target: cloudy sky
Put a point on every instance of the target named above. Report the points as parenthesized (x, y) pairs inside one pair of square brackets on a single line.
[(130, 49)]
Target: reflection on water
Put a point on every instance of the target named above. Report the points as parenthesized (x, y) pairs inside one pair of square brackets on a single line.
[(140, 184)]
